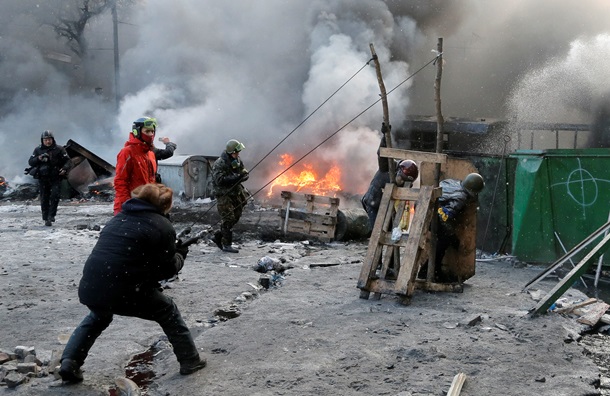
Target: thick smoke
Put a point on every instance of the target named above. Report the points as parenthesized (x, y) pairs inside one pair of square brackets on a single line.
[(574, 88), (210, 71)]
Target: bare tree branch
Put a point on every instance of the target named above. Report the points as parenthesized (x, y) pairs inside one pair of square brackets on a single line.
[(72, 19)]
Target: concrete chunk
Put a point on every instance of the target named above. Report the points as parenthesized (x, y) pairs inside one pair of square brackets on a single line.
[(14, 379), (23, 351), (25, 368)]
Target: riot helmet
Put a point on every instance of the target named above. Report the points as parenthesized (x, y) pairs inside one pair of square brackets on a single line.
[(143, 122), (473, 183), (234, 146), (407, 171)]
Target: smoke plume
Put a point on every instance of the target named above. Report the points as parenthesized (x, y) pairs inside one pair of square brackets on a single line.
[(210, 71)]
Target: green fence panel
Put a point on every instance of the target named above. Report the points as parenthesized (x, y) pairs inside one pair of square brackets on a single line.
[(561, 197)]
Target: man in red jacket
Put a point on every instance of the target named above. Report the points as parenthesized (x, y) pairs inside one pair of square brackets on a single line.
[(136, 164)]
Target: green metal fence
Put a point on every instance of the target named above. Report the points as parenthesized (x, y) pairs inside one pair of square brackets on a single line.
[(560, 198)]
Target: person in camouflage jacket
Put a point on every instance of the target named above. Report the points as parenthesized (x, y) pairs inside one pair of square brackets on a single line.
[(228, 172)]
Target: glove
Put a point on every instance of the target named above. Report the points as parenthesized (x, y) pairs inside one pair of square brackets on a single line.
[(245, 175), (385, 128), (43, 157), (182, 250), (445, 214), (233, 179)]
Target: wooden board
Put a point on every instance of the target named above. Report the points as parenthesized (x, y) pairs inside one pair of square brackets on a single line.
[(460, 263), (313, 215), (405, 255), (594, 313)]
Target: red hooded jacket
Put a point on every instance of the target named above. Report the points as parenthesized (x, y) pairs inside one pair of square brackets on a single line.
[(135, 166)]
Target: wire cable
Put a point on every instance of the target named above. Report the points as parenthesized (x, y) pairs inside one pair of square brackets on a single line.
[(326, 139)]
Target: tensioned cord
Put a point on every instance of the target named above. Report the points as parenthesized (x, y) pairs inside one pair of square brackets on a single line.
[(197, 219)]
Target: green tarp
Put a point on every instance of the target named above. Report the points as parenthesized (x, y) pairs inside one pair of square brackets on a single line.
[(560, 196)]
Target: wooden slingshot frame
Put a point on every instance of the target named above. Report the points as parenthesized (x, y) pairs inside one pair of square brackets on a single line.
[(391, 266)]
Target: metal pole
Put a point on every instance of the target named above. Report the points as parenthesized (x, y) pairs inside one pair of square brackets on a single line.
[(115, 28)]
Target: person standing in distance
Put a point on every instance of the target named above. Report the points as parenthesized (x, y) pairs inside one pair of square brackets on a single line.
[(136, 249), (228, 172), (136, 163), (51, 163)]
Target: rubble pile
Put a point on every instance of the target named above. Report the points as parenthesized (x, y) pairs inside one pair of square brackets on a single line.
[(24, 364)]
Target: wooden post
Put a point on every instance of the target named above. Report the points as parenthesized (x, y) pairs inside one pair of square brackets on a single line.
[(386, 115), (439, 148)]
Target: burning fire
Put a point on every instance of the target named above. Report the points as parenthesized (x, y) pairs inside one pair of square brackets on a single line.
[(306, 179)]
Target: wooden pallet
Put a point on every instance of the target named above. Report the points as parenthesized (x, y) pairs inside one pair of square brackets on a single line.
[(309, 214), (391, 266)]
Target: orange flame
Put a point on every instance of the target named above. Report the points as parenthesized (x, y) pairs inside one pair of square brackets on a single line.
[(307, 179)]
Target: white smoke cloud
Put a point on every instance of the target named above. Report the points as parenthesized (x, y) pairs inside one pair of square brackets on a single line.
[(566, 88), (210, 71)]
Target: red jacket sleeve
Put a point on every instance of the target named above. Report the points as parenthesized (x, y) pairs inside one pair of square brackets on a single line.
[(122, 179)]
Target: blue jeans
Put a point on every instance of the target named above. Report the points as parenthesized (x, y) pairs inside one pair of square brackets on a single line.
[(152, 305)]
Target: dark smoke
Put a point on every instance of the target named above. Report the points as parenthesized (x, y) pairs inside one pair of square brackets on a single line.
[(211, 71)]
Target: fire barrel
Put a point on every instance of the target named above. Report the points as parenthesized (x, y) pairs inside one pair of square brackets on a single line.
[(352, 224)]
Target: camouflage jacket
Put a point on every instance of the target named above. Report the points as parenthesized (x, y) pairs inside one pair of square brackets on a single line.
[(226, 176)]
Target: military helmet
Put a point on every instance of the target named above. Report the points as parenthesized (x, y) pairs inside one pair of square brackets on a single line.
[(473, 183), (234, 146), (47, 135), (408, 170), (146, 122)]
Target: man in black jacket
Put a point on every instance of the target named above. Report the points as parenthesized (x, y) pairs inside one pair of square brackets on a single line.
[(406, 173), (50, 163), (136, 249)]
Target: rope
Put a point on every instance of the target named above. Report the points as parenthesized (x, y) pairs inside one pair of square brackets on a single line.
[(329, 137)]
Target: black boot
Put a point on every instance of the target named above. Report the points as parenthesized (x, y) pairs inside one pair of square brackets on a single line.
[(217, 239), (187, 368), (70, 371), (227, 247)]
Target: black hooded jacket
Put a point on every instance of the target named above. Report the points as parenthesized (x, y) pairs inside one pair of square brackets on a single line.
[(136, 249), (58, 159)]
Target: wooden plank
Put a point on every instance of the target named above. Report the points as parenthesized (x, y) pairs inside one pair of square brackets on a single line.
[(417, 233), (405, 194), (417, 156), (594, 314), (381, 286), (300, 226), (309, 217), (605, 319), (302, 207), (302, 198), (423, 284), (456, 385), (309, 214), (572, 307), (545, 303), (373, 252)]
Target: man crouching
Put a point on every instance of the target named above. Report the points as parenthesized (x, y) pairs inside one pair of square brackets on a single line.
[(136, 249)]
